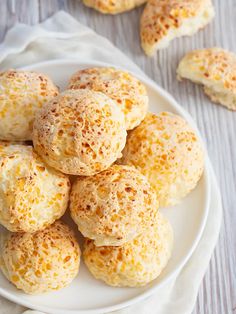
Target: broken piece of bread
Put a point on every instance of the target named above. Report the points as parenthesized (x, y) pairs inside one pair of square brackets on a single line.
[(164, 20), (215, 68)]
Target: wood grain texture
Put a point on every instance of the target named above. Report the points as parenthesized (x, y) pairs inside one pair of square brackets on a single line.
[(217, 294)]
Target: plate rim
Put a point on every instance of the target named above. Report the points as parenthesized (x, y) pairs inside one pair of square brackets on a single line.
[(167, 96)]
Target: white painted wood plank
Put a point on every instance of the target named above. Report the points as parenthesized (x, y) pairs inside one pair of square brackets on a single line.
[(217, 294)]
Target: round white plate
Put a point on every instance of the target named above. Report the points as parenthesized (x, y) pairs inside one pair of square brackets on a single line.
[(87, 295)]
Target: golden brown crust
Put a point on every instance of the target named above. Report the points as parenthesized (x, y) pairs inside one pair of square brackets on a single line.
[(22, 93), (163, 20), (137, 262), (114, 206), (32, 195), (113, 6), (215, 68), (42, 261), (81, 132), (127, 91), (167, 151)]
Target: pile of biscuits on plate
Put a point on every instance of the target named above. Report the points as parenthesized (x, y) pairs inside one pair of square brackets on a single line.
[(96, 151)]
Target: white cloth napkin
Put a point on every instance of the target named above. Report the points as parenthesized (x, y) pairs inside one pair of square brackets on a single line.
[(61, 36)]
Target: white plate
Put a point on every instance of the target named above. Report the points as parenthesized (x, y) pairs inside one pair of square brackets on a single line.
[(87, 295)]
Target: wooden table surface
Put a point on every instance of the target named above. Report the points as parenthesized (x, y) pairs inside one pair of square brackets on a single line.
[(217, 294)]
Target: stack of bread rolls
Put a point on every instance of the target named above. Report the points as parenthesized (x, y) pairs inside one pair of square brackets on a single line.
[(82, 159)]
